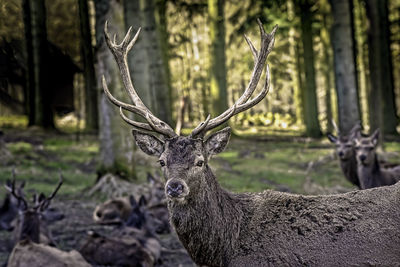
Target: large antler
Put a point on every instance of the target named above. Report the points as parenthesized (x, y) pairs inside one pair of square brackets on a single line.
[(120, 52), (243, 103)]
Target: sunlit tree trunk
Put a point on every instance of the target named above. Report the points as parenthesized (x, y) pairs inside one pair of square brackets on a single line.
[(91, 107), (360, 32), (116, 140), (148, 69), (380, 66), (294, 70), (217, 56), (310, 96), (327, 63), (39, 93), (344, 62)]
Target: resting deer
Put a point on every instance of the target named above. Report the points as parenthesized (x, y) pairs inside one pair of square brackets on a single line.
[(31, 223), (131, 244), (9, 209), (220, 228), (346, 153), (33, 235), (370, 171)]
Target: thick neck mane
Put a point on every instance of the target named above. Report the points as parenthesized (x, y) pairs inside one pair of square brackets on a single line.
[(210, 216)]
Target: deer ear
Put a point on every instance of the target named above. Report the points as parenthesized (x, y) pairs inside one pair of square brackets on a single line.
[(375, 137), (142, 201), (217, 142), (148, 143), (132, 201), (332, 138)]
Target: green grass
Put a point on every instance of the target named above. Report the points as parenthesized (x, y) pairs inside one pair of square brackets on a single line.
[(266, 165)]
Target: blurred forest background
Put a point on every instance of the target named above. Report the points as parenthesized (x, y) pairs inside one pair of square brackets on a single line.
[(333, 60)]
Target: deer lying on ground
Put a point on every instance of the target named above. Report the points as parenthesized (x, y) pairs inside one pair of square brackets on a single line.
[(118, 210), (131, 244), (33, 235), (220, 228), (346, 153), (370, 171), (9, 209)]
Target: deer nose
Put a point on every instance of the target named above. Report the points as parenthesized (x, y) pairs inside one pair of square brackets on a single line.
[(362, 157), (340, 153), (174, 189)]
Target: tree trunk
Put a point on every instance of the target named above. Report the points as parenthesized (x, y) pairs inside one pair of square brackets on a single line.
[(310, 96), (344, 61), (39, 93), (91, 107), (217, 56), (116, 140), (380, 66), (294, 70), (150, 77), (327, 64), (360, 32)]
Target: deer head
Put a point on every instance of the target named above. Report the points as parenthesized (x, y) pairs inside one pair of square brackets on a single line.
[(184, 159), (365, 148), (30, 217), (344, 143)]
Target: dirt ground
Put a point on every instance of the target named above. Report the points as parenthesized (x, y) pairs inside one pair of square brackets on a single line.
[(70, 232)]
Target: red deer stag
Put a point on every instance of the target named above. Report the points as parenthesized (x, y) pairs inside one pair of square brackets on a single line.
[(220, 228)]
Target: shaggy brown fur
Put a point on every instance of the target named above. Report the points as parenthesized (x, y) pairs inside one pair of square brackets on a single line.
[(115, 210), (125, 248), (27, 253), (219, 228)]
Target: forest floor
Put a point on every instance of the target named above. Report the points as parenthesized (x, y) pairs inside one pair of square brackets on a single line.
[(298, 165)]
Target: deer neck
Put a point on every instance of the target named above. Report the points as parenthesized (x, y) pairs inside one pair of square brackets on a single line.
[(207, 218), (30, 229), (369, 174), (349, 168)]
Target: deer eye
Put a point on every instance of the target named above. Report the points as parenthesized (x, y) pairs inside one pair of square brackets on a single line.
[(162, 163), (200, 163)]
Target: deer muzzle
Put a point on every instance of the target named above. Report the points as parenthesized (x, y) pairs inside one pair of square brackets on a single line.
[(176, 189)]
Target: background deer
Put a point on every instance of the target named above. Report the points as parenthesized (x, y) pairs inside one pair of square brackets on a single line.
[(133, 243), (31, 229), (220, 228), (346, 153), (9, 208), (370, 171), (31, 223)]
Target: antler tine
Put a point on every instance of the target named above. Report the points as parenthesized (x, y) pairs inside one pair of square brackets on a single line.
[(46, 202), (61, 181), (201, 126), (335, 127), (14, 193), (137, 125), (243, 103), (120, 52)]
